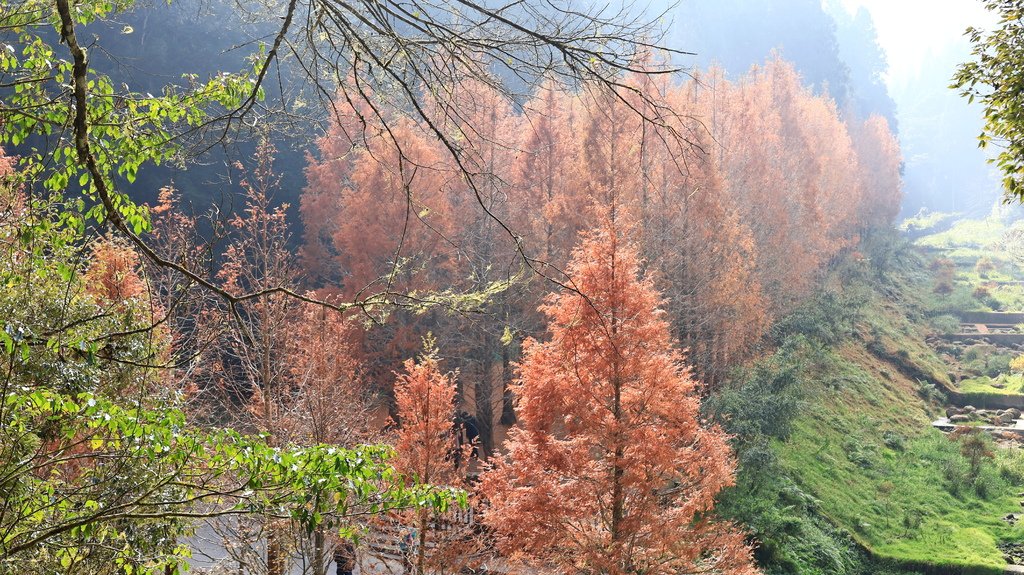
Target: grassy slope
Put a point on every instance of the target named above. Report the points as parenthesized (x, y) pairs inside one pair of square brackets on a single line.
[(863, 446), (1011, 384), (985, 237), (967, 234)]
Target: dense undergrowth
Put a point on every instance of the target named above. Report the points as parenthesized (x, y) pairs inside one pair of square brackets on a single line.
[(840, 469)]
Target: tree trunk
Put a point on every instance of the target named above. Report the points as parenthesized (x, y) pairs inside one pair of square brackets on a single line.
[(421, 553), (275, 552), (319, 560)]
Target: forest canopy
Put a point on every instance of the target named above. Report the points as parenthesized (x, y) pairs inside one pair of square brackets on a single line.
[(527, 250)]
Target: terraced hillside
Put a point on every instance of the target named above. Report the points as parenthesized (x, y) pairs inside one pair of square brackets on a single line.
[(870, 373)]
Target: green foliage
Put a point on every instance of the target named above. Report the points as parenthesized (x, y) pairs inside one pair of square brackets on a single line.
[(100, 471), (126, 129), (176, 473), (758, 407), (978, 234), (894, 440), (760, 402), (995, 77), (945, 323), (923, 220), (793, 536), (1001, 384), (997, 364), (988, 361), (827, 318), (859, 466)]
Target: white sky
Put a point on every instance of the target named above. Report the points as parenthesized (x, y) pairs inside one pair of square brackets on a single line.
[(910, 30)]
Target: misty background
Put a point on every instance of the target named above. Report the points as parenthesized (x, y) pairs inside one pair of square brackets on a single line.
[(894, 59), (881, 57)]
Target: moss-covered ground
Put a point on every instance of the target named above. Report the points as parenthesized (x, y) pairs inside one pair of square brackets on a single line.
[(1001, 384)]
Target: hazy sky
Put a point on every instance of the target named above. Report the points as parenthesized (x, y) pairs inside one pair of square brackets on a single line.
[(937, 127), (910, 30)]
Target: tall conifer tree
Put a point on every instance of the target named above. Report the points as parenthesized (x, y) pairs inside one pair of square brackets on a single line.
[(611, 470)]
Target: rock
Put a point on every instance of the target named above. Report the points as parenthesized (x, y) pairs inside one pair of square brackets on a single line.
[(951, 411), (960, 418), (969, 409), (1014, 412)]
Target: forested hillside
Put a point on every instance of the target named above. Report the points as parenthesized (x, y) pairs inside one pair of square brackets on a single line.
[(462, 288), (733, 230)]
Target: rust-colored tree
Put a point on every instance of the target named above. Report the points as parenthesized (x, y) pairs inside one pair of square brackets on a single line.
[(752, 154), (702, 254), (378, 221), (115, 280), (543, 175), (789, 160), (284, 367), (611, 470), (427, 450), (878, 153)]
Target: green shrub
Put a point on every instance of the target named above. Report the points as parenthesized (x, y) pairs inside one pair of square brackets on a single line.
[(978, 351), (945, 323), (957, 476), (1011, 466), (827, 318), (931, 393), (860, 453), (761, 401), (894, 440), (988, 482), (997, 364)]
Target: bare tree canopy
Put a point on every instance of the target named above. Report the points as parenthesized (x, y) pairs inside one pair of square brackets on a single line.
[(378, 58)]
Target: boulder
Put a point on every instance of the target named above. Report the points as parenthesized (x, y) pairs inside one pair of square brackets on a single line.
[(960, 418), (951, 411)]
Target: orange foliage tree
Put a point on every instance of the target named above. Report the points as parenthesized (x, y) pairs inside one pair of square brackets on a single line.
[(702, 253), (878, 153), (738, 219), (379, 220), (611, 470), (427, 450), (282, 367), (485, 201), (548, 214), (113, 276)]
